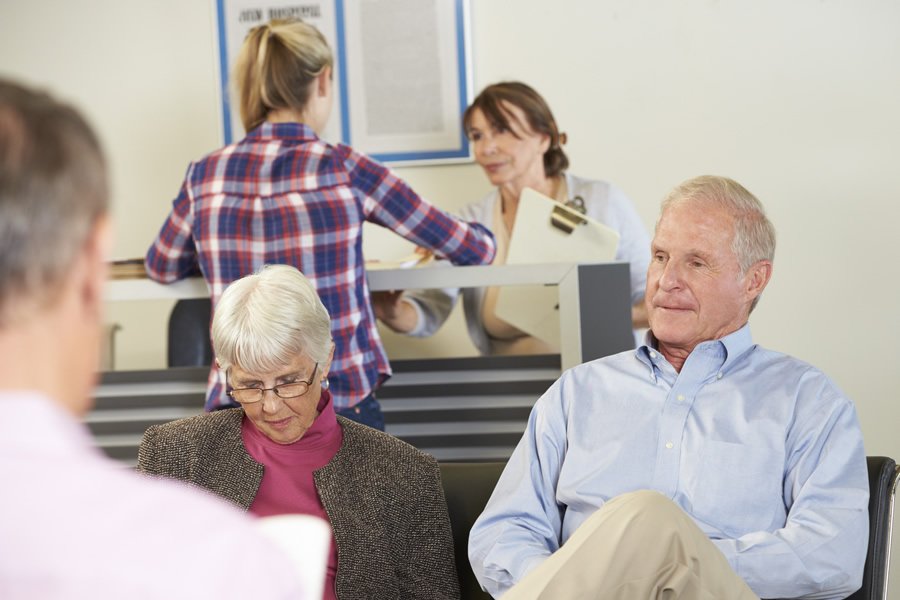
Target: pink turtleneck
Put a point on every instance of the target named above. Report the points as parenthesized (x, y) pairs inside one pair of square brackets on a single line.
[(287, 484)]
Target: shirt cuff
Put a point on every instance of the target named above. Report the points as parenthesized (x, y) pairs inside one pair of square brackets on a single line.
[(419, 329)]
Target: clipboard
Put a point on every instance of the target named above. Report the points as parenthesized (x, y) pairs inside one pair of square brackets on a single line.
[(546, 231)]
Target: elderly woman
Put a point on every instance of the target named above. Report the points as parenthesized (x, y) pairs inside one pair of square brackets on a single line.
[(285, 451), (518, 144)]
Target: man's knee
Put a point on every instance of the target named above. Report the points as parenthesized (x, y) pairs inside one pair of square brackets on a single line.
[(646, 510), (641, 501)]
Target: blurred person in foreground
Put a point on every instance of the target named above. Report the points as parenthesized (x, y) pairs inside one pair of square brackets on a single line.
[(699, 465), (73, 523), (518, 144), (285, 451), (283, 195)]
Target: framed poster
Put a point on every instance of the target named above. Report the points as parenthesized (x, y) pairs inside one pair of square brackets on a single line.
[(401, 72)]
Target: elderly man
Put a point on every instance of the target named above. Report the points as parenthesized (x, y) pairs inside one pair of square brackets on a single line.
[(699, 465), (73, 524)]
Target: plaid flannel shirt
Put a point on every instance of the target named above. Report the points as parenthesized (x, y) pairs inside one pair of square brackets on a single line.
[(283, 196)]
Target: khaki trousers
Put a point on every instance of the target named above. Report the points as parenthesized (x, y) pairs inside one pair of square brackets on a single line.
[(638, 546)]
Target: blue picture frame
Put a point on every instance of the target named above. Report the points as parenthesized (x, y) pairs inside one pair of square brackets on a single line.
[(459, 151)]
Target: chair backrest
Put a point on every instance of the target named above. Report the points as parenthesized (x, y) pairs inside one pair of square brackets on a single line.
[(882, 486), (467, 487), (189, 344)]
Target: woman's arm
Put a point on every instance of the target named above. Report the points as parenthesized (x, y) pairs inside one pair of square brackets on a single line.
[(639, 318), (388, 201), (418, 313), (173, 255), (393, 310)]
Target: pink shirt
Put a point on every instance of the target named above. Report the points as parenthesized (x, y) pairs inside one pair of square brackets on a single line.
[(287, 484), (75, 524)]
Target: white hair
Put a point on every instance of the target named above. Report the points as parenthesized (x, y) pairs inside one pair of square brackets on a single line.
[(754, 234), (264, 321), (753, 239)]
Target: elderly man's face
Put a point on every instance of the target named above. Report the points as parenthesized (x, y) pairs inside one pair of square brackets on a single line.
[(695, 290), (283, 420)]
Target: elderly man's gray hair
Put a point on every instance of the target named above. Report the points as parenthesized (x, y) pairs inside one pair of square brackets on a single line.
[(264, 321), (754, 234), (52, 192)]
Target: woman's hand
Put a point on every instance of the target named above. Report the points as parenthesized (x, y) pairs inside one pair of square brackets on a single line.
[(395, 312)]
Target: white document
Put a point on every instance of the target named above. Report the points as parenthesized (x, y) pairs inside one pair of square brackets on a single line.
[(538, 237), (305, 540), (404, 90)]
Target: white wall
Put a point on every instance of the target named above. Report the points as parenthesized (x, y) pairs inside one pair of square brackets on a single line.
[(797, 100)]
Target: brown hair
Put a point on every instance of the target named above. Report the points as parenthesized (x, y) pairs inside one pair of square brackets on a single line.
[(276, 67), (537, 112)]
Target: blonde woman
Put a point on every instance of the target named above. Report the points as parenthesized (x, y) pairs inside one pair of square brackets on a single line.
[(282, 195)]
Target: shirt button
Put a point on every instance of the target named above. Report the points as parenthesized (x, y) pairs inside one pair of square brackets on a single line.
[(653, 355), (681, 397), (670, 445), (719, 375), (356, 410)]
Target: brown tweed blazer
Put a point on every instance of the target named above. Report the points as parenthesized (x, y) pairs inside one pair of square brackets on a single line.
[(383, 497)]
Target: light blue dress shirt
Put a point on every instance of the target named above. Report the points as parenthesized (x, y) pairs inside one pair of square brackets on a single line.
[(761, 449)]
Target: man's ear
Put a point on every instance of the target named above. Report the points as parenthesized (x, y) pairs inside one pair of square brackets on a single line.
[(96, 252), (757, 278)]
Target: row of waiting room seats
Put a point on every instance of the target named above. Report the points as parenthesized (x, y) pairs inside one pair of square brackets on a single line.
[(466, 409), (469, 413)]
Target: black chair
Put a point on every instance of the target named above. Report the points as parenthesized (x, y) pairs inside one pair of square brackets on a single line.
[(188, 344), (467, 487), (882, 487)]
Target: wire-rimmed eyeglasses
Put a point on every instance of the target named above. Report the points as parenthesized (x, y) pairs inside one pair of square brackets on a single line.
[(293, 389)]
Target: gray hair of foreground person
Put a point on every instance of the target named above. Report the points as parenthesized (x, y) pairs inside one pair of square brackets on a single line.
[(265, 320), (53, 191), (754, 234), (276, 67)]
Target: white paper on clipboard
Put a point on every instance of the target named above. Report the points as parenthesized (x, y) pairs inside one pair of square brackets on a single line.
[(536, 240)]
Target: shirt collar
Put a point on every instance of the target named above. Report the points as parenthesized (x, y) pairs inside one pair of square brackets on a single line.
[(736, 345), (729, 348), (297, 131)]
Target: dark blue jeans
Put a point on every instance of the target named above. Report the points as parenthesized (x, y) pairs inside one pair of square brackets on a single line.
[(368, 412)]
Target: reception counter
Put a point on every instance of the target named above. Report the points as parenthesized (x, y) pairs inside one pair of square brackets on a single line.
[(594, 300), (457, 409)]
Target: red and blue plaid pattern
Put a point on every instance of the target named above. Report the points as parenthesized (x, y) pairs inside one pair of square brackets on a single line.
[(283, 196)]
